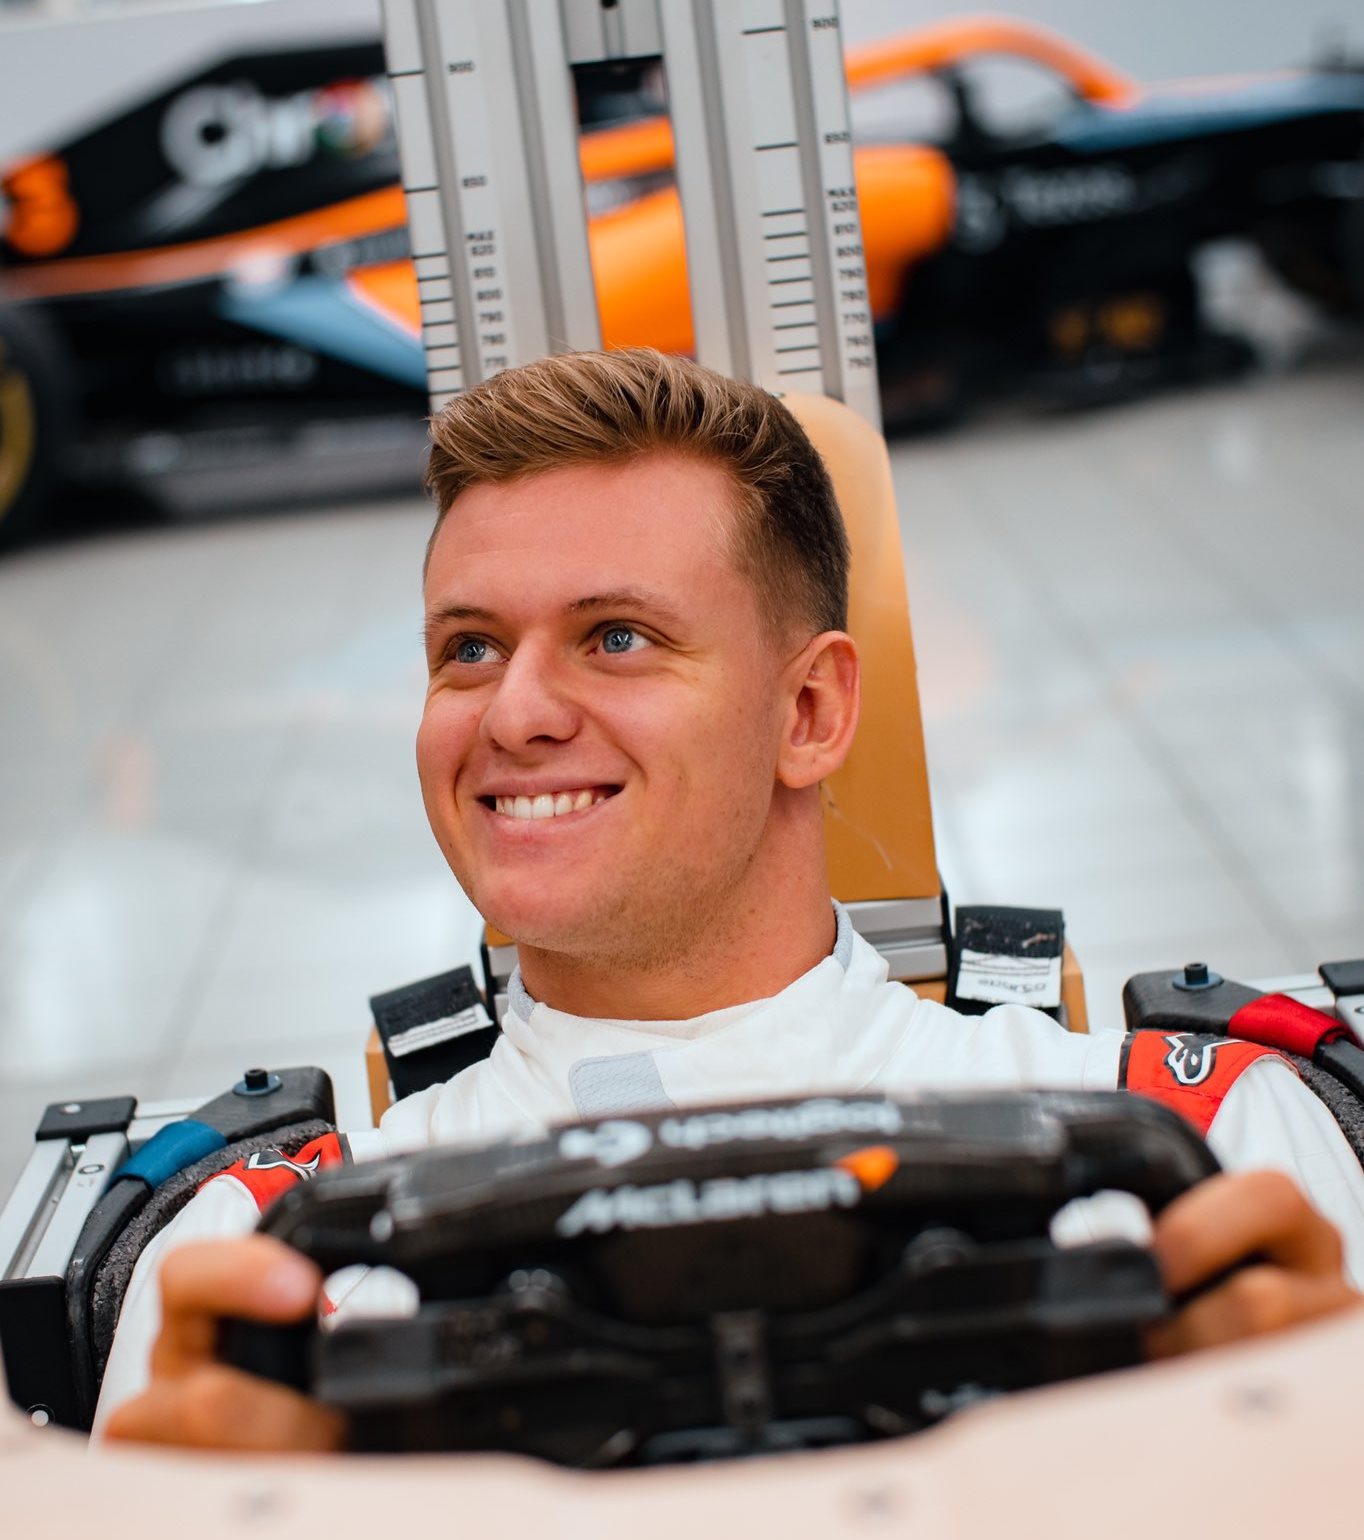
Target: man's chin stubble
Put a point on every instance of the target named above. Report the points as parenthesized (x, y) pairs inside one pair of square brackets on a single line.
[(624, 939)]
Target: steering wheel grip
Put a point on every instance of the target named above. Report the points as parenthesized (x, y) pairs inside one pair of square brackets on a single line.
[(1134, 1145), (283, 1354)]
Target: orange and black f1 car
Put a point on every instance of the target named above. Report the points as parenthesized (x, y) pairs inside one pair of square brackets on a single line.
[(221, 270)]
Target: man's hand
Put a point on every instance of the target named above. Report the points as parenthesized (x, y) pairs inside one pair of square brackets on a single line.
[(1288, 1262), (195, 1400)]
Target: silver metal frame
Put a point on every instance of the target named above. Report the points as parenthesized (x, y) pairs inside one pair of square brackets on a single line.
[(907, 932), (60, 1184), (487, 136), (764, 169)]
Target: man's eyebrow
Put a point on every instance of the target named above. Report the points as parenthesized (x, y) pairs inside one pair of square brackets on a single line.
[(620, 599), (637, 599), (449, 613)]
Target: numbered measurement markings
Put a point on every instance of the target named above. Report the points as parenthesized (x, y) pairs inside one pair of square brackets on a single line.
[(797, 241), (464, 179), (488, 132)]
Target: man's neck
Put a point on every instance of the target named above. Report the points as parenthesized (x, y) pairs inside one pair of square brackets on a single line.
[(751, 960)]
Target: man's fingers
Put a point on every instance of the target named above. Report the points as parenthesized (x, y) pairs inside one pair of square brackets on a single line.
[(1231, 1218), (1283, 1262), (197, 1402), (214, 1407), (1250, 1303), (255, 1277)]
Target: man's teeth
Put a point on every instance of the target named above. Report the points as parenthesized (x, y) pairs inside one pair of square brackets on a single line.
[(548, 805)]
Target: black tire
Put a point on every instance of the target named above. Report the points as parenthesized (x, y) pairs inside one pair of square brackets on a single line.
[(34, 421)]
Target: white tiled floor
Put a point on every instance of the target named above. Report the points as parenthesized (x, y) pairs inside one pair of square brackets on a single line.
[(1141, 650), (1143, 662)]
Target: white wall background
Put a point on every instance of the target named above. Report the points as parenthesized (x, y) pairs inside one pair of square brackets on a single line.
[(58, 77)]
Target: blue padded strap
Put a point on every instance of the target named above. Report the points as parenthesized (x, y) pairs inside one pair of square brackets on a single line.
[(171, 1149)]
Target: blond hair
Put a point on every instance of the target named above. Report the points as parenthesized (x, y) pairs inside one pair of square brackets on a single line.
[(591, 408)]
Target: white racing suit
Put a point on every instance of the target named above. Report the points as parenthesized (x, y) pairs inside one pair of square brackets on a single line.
[(840, 1027)]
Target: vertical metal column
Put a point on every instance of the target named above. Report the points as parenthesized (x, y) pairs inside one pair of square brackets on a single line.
[(488, 140), (765, 172), (824, 131)]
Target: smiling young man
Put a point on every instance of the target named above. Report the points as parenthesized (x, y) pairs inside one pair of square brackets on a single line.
[(639, 675), (620, 752)]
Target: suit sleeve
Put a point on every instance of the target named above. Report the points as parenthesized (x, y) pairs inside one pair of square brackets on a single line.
[(219, 1210), (226, 1206), (1268, 1119)]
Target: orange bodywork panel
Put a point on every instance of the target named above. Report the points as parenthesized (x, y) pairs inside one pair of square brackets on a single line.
[(628, 149), (43, 218), (907, 194), (639, 263), (367, 214), (390, 288), (908, 200)]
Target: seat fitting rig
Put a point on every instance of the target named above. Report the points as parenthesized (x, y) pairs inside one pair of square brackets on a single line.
[(69, 1238)]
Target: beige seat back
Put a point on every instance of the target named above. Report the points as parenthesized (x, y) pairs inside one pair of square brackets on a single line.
[(878, 822)]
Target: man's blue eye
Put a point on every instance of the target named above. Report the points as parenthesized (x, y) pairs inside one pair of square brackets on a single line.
[(619, 639), (471, 651)]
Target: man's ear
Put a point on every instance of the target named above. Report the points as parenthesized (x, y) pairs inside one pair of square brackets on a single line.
[(824, 685)]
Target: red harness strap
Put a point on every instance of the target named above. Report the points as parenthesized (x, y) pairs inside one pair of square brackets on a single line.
[(1189, 1072), (270, 1172), (1278, 1021)]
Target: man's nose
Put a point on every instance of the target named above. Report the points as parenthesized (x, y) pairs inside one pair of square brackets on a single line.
[(532, 703)]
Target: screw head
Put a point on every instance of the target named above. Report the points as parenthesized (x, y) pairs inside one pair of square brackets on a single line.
[(257, 1082), (71, 1108), (1196, 976)]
